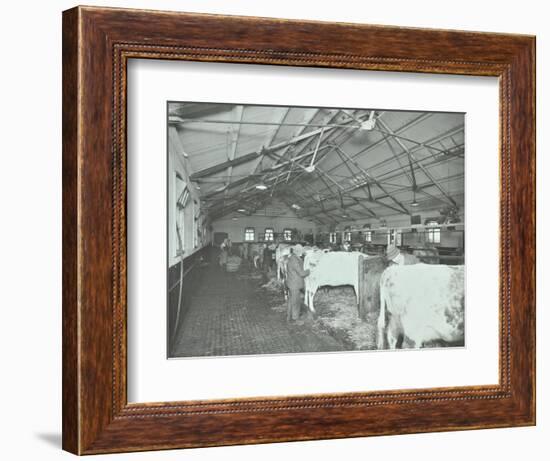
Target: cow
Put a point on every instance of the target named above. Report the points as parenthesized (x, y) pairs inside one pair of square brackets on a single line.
[(243, 250), (312, 256), (422, 302), (282, 254), (330, 269), (281, 259), (256, 254)]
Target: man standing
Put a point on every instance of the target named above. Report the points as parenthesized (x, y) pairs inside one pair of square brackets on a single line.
[(295, 282), (224, 253), (393, 255), (267, 258)]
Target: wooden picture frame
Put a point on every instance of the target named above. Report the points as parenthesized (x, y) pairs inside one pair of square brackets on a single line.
[(97, 43)]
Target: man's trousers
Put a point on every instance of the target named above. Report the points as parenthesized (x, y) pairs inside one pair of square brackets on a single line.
[(294, 304)]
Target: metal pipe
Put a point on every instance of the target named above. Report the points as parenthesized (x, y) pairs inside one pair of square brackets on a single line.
[(231, 122)]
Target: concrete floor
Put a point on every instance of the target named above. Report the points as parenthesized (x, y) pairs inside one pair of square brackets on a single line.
[(230, 314)]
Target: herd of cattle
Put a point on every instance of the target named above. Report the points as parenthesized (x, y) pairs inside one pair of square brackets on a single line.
[(422, 302)]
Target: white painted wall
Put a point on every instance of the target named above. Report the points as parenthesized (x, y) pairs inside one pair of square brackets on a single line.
[(235, 229), (31, 169), (192, 242), (276, 215), (235, 223)]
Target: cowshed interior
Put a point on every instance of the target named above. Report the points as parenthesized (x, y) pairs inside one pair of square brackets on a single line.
[(339, 179)]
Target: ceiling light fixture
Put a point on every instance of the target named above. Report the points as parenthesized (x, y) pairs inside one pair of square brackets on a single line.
[(414, 202), (369, 124)]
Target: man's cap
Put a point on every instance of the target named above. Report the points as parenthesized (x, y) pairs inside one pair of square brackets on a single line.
[(392, 252), (298, 249)]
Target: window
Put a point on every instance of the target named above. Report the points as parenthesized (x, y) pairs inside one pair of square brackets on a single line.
[(347, 236), (249, 234), (368, 236), (433, 234), (268, 236), (398, 238), (287, 235), (182, 196), (332, 237)]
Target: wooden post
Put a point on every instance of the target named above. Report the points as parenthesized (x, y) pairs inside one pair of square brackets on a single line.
[(361, 298), (370, 271)]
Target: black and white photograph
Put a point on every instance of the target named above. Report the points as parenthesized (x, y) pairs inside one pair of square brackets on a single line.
[(313, 229)]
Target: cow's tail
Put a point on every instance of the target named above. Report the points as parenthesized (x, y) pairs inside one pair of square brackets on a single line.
[(382, 315)]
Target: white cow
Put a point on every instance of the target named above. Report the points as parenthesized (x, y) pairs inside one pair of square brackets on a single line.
[(312, 256), (256, 254), (282, 253), (330, 269), (424, 302)]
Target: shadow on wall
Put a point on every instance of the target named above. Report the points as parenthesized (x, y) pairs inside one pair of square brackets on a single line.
[(50, 438)]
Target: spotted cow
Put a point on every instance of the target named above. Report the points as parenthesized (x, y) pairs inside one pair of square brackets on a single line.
[(423, 303)]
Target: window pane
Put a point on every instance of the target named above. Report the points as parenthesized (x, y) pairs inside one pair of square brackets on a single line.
[(249, 234), (433, 235), (182, 194), (437, 235)]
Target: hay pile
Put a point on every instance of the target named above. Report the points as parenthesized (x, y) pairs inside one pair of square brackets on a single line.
[(274, 285), (249, 276), (337, 313), (233, 263)]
